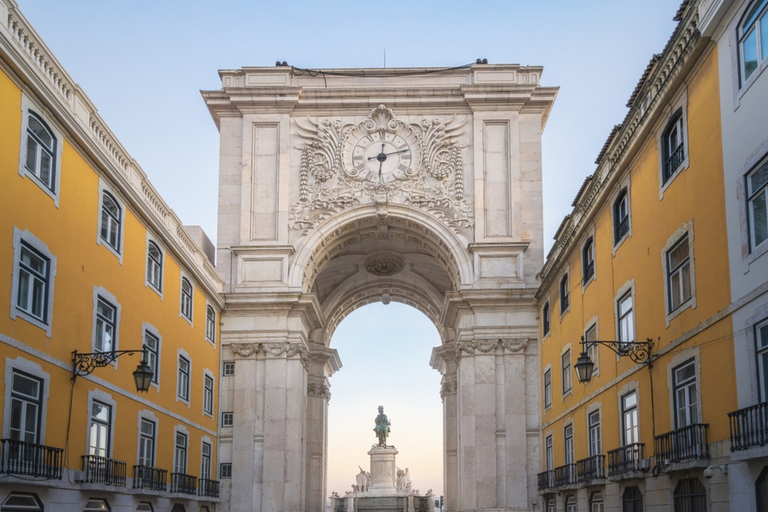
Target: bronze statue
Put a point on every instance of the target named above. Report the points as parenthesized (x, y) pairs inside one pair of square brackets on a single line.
[(382, 427)]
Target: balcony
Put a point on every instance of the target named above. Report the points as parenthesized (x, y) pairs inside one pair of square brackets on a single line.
[(565, 475), (591, 468), (20, 458), (546, 480), (749, 427), (208, 488), (183, 484), (101, 470), (673, 161), (687, 443), (625, 460), (149, 478)]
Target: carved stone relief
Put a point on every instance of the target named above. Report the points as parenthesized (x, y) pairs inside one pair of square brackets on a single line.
[(488, 345), (272, 350)]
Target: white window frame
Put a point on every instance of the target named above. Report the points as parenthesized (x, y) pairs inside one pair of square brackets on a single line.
[(680, 359), (206, 441), (97, 395), (628, 290), (685, 231), (207, 374), (146, 415), (210, 324), (597, 502), (180, 429), (106, 189), (569, 452), (675, 117), (762, 60), (761, 350), (179, 397), (227, 419), (150, 262), (549, 452), (29, 108), (546, 319), (594, 433), (624, 191), (225, 372), (566, 373), (547, 387), (182, 299), (635, 410), (147, 328), (593, 349), (564, 279), (101, 293), (22, 365), (587, 250), (26, 238), (751, 196)]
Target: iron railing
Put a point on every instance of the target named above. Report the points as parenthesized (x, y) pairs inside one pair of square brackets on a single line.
[(565, 475), (208, 487), (546, 480), (673, 161), (147, 477), (625, 459), (101, 470), (590, 468), (621, 228), (685, 443), (20, 458), (589, 271), (184, 484), (749, 427)]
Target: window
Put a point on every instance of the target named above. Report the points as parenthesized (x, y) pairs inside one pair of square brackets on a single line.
[(626, 318), (152, 346), (545, 319), (564, 294), (592, 348), (588, 260), (761, 490), (227, 419), (186, 298), (33, 281), (596, 502), (111, 218), (208, 394), (761, 340), (105, 336), (568, 438), (182, 388), (40, 157), (757, 201), (210, 324), (570, 504), (146, 443), (228, 369), (550, 505), (180, 453), (684, 381), (620, 216), (672, 146), (205, 462), (753, 40), (18, 501), (144, 506), (154, 266), (96, 505), (225, 470), (679, 274), (630, 429), (550, 453), (595, 435), (26, 408), (548, 388), (632, 500), (690, 495), (566, 363), (99, 431)]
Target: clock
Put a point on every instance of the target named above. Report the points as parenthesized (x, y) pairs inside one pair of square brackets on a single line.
[(381, 156)]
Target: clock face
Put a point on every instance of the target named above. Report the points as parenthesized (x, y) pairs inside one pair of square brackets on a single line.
[(381, 156)]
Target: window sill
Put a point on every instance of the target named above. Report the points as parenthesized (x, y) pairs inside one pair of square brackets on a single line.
[(154, 289), (585, 284), (666, 184), (689, 304), (20, 313)]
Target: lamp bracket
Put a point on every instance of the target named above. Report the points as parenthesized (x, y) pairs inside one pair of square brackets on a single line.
[(637, 351), (85, 363)]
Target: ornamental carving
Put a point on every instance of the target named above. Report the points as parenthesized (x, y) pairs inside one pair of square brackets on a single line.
[(245, 349), (319, 391), (514, 346), (486, 346), (278, 349), (448, 387), (337, 174), (384, 266)]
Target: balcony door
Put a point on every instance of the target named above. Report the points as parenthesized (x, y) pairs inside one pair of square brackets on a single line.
[(26, 401)]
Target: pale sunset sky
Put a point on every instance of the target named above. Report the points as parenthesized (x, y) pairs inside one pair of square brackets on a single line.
[(143, 63)]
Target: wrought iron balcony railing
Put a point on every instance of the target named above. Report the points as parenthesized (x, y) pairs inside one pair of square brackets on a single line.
[(147, 477), (625, 459), (208, 487), (687, 443), (590, 468), (184, 484), (621, 228), (565, 475), (673, 161), (749, 427), (101, 470), (546, 480), (20, 458), (589, 271)]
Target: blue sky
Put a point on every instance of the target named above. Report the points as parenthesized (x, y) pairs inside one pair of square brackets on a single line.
[(144, 62)]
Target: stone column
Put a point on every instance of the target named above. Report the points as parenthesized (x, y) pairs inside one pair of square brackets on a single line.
[(444, 360)]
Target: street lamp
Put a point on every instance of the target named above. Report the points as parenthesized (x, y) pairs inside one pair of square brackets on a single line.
[(637, 351), (84, 364)]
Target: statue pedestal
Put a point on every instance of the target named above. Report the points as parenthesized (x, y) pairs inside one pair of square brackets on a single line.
[(383, 471)]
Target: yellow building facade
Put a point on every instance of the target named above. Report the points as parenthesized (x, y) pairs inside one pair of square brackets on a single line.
[(94, 261), (641, 264)]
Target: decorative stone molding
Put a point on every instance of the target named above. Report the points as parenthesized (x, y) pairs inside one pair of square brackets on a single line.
[(449, 386), (277, 350), (488, 345), (319, 391), (515, 345), (384, 266), (245, 350)]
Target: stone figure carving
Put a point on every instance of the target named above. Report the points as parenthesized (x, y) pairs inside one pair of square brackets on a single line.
[(382, 427), (404, 480), (362, 480)]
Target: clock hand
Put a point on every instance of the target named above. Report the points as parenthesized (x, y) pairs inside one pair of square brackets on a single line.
[(381, 162), (396, 152)]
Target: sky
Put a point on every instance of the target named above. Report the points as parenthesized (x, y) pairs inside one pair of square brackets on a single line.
[(144, 62)]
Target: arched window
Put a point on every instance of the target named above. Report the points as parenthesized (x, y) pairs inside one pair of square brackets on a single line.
[(596, 502), (620, 216), (210, 324), (690, 496), (570, 504), (753, 39), (186, 298), (672, 145), (632, 500), (111, 217), (154, 266), (41, 151), (550, 504), (564, 294)]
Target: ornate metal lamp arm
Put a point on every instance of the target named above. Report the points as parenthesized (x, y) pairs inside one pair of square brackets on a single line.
[(638, 351), (84, 364)]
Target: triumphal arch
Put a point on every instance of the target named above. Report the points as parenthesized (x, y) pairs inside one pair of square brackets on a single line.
[(339, 188)]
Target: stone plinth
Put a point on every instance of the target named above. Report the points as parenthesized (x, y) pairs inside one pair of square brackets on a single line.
[(383, 471)]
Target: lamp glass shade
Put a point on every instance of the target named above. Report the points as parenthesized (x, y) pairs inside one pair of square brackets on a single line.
[(143, 377), (584, 367)]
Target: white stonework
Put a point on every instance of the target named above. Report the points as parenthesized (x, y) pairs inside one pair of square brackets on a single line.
[(345, 187)]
